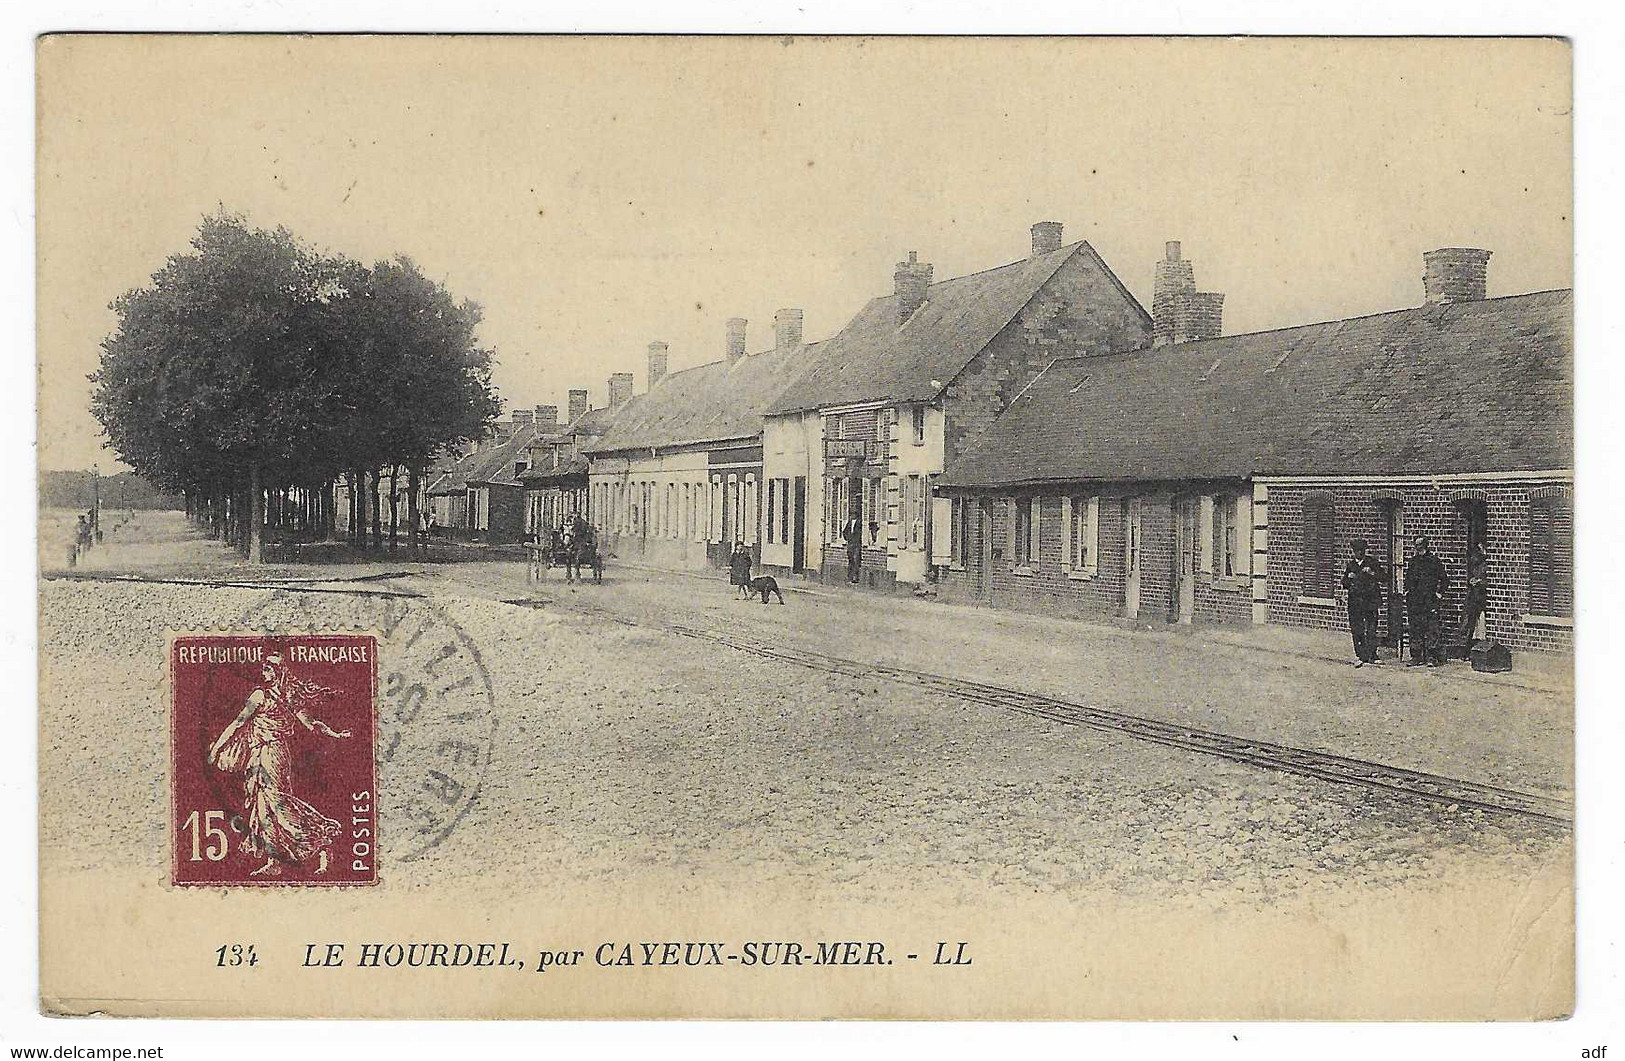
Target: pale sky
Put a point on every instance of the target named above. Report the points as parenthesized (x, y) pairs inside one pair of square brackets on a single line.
[(595, 194)]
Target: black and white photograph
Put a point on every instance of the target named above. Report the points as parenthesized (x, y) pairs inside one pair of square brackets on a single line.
[(867, 527)]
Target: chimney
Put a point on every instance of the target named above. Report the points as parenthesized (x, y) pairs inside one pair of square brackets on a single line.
[(1179, 312), (657, 363), (620, 389), (547, 419), (913, 278), (522, 418), (786, 329), (501, 431), (1198, 315), (1046, 237), (1455, 274), (578, 405), (736, 338)]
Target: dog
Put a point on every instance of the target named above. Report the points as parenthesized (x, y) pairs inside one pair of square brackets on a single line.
[(766, 585)]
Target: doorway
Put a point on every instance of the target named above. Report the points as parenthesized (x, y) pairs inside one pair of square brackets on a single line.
[(984, 548), (1185, 530), (1393, 534), (798, 526), (1131, 557)]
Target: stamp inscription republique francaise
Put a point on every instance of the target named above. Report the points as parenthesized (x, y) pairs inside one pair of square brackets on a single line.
[(272, 773)]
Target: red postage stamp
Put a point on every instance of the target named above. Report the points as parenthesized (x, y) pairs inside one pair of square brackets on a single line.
[(272, 777)]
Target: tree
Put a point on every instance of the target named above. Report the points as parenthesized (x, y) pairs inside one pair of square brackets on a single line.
[(255, 364)]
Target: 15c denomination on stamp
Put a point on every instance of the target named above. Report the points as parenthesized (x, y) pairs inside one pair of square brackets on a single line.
[(272, 771)]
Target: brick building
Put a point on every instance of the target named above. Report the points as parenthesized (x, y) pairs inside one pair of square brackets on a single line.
[(480, 497), (556, 480), (676, 478), (1221, 480), (902, 390)]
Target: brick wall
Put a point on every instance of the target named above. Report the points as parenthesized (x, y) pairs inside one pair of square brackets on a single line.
[(1079, 311), (857, 425), (1050, 588), (1426, 509), (507, 515)]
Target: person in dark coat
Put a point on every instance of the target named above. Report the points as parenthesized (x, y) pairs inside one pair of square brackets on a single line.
[(1425, 583), (739, 566), (1478, 588), (1363, 578), (852, 535)]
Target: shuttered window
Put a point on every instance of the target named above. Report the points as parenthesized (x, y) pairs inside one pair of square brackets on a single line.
[(1551, 556), (1319, 546)]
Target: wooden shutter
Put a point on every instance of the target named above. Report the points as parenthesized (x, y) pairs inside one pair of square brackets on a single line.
[(1551, 556), (1319, 546), (1562, 582), (942, 529), (1540, 556)]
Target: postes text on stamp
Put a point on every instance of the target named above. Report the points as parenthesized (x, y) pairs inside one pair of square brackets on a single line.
[(272, 771)]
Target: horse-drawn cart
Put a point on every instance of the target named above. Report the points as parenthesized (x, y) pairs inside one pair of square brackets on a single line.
[(572, 555)]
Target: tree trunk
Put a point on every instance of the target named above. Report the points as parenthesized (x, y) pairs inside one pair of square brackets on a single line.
[(255, 542), (394, 506), (358, 511), (377, 510), (414, 537)]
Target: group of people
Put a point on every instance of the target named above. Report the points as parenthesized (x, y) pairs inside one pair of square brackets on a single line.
[(87, 533), (574, 542), (1426, 581)]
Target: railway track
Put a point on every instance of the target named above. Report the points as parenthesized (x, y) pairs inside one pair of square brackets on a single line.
[(1304, 762)]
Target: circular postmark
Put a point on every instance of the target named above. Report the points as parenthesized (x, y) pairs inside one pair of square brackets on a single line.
[(436, 709)]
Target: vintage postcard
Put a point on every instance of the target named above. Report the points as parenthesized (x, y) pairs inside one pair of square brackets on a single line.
[(793, 527)]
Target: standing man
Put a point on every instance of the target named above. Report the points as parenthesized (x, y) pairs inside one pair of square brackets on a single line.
[(1425, 583), (1478, 588), (1363, 578), (852, 534)]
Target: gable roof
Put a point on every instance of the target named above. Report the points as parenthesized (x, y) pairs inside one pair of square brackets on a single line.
[(875, 358), (493, 464), (1461, 387), (709, 403)]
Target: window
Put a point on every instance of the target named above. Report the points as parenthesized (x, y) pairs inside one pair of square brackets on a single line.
[(1230, 535), (784, 511), (1081, 516), (772, 510), (1023, 528), (1319, 546), (919, 425), (718, 505), (1551, 556), (959, 547)]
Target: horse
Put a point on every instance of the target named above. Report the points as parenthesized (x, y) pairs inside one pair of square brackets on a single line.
[(583, 549)]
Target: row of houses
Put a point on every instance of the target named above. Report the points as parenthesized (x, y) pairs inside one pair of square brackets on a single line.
[(1031, 437)]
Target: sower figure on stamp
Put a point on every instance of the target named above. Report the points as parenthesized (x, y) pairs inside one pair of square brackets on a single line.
[(278, 826), (1362, 578), (1425, 584), (1478, 589)]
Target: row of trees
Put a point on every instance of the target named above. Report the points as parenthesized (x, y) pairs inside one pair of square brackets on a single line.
[(255, 373)]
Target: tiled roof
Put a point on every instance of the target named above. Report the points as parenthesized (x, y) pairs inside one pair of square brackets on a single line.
[(875, 358), (542, 475), (491, 464), (708, 403), (593, 422), (1463, 387)]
